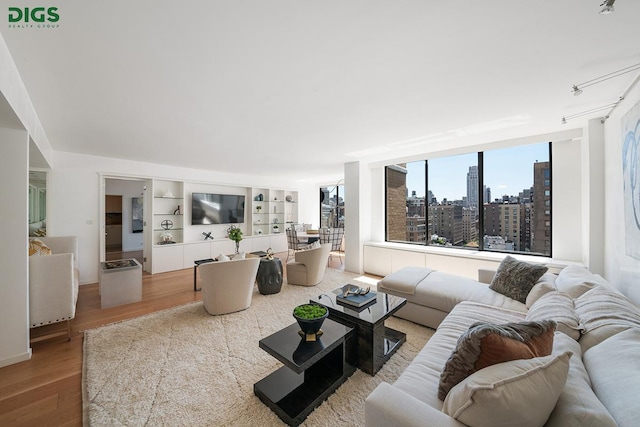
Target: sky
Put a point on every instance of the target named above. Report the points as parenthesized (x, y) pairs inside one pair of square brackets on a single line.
[(506, 171)]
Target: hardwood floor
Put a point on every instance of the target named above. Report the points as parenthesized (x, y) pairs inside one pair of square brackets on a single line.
[(46, 390)]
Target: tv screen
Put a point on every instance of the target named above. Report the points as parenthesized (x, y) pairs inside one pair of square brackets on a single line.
[(216, 208)]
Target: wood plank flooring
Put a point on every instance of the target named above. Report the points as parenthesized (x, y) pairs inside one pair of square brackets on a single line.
[(46, 390)]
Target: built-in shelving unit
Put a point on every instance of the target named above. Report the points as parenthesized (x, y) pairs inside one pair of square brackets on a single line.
[(263, 228), (168, 212), (271, 210)]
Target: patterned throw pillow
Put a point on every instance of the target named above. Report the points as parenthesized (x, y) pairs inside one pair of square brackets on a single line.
[(37, 247), (486, 344), (516, 278)]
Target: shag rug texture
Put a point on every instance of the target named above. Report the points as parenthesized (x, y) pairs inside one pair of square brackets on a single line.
[(184, 367)]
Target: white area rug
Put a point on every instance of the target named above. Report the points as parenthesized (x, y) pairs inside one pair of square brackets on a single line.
[(183, 367)]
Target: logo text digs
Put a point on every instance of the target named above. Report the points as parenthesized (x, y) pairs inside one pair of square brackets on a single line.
[(34, 17)]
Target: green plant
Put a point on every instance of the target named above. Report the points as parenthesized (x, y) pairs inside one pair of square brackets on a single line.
[(234, 233), (309, 311)]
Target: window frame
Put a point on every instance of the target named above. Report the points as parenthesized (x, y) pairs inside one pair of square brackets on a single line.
[(547, 199)]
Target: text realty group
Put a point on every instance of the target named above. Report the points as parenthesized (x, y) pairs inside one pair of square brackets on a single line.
[(42, 17)]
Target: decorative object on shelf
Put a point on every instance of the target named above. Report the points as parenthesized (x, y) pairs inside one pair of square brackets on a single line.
[(166, 238), (259, 197), (275, 199), (310, 317), (270, 254), (276, 229), (289, 198), (259, 231), (276, 221), (258, 208), (168, 194), (235, 234), (207, 235), (177, 211), (167, 224)]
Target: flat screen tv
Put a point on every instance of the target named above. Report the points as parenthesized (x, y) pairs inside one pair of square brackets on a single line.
[(216, 208)]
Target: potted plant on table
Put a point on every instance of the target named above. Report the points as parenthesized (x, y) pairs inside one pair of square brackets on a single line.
[(310, 317), (235, 234)]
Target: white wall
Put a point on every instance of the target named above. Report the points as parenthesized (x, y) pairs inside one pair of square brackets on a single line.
[(620, 269), (74, 196), (14, 294)]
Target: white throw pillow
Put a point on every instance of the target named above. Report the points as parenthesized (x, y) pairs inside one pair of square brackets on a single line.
[(520, 392), (575, 281), (239, 255), (557, 306), (222, 257)]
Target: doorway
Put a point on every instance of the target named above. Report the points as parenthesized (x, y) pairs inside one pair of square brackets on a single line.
[(124, 219)]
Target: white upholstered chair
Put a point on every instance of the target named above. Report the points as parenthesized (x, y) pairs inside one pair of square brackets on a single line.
[(309, 266), (53, 285), (227, 286)]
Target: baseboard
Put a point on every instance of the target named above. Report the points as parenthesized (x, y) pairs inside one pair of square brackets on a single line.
[(15, 359)]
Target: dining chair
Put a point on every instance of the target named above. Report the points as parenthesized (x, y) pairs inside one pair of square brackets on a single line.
[(333, 236), (293, 244)]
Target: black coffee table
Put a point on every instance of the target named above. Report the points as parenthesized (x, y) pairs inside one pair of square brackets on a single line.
[(311, 371), (376, 342)]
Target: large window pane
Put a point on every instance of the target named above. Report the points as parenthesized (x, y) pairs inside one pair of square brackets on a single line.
[(405, 201), (332, 206), (518, 216), (453, 201)]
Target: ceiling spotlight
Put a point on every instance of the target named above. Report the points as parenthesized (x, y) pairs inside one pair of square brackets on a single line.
[(608, 7), (577, 89)]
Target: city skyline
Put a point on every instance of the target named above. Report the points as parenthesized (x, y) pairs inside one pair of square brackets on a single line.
[(506, 171)]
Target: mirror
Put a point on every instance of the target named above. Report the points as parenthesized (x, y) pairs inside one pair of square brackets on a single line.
[(37, 203)]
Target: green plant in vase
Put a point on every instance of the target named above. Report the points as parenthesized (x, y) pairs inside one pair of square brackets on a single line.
[(310, 317), (235, 234)]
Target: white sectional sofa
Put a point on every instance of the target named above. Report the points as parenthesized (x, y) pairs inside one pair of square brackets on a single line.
[(598, 338)]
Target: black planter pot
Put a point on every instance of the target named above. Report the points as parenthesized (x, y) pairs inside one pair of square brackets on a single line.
[(311, 326)]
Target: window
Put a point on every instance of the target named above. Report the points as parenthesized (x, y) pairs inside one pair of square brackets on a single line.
[(448, 201), (332, 206)]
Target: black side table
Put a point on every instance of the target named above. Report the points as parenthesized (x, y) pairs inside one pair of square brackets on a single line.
[(196, 264), (269, 276)]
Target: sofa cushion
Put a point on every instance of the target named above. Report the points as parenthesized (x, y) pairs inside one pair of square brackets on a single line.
[(38, 248), (486, 344), (614, 370), (559, 307), (519, 392), (575, 281), (604, 313), (420, 378), (406, 279), (222, 258), (516, 278), (578, 405), (546, 283)]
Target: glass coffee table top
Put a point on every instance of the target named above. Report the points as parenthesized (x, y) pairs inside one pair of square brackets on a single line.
[(384, 306)]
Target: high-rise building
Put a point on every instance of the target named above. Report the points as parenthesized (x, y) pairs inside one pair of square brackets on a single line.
[(446, 221), (469, 224), (396, 202), (472, 187), (541, 215)]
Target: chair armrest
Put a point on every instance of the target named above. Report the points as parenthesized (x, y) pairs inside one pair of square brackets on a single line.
[(390, 406), (52, 289)]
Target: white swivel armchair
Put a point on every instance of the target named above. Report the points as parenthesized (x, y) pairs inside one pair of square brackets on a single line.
[(309, 266), (53, 285), (227, 286)]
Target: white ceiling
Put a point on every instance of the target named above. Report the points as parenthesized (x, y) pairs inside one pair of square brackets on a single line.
[(298, 88)]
